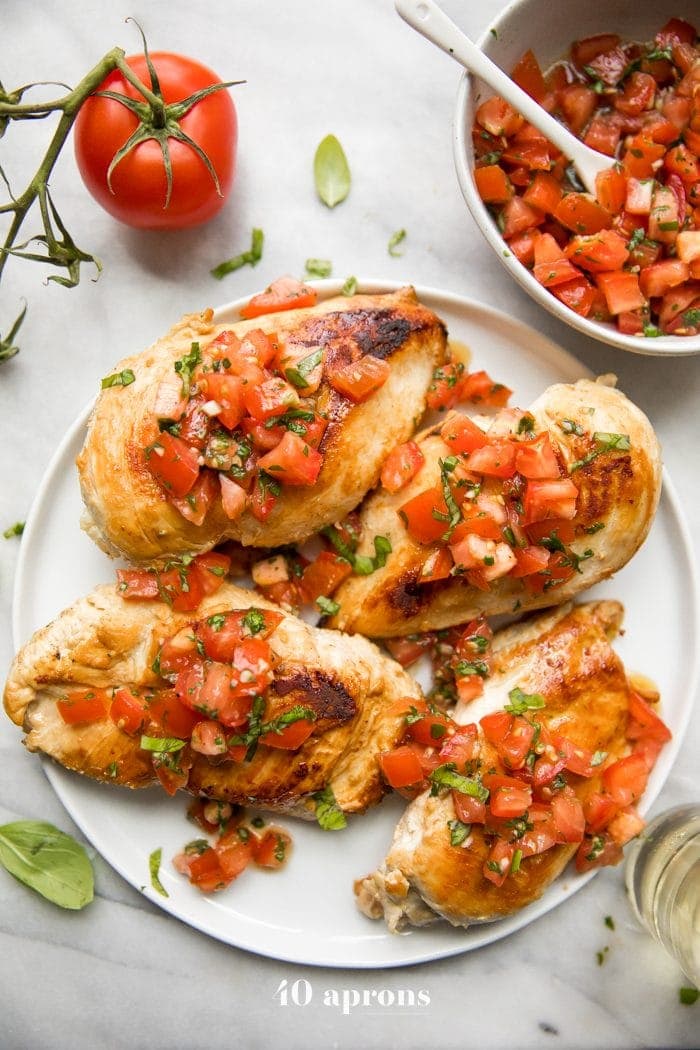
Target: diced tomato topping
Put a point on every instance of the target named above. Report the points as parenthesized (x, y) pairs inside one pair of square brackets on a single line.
[(129, 711), (324, 575), (195, 505), (497, 866), (626, 779), (423, 525), (137, 584), (550, 499), (644, 722), (286, 293), (430, 729), (496, 460), (173, 464), (292, 462), (410, 648), (227, 391), (84, 705), (291, 737), (493, 184), (401, 767), (273, 397), (272, 848), (468, 809), (360, 379), (401, 465)]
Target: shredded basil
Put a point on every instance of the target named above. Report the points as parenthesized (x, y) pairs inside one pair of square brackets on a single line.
[(123, 378), (329, 815), (185, 367), (318, 267), (327, 606), (299, 373), (257, 728), (459, 832), (254, 621), (250, 258), (161, 744), (14, 530), (349, 287), (394, 241), (154, 868), (446, 776), (604, 443), (521, 702)]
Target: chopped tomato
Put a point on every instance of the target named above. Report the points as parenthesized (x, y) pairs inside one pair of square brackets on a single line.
[(84, 705), (360, 379), (656, 280), (537, 459), (401, 465), (195, 505), (209, 738), (493, 184), (625, 825), (518, 216), (621, 290), (567, 813), (272, 397), (597, 852), (461, 747), (462, 435), (181, 587), (529, 559), (528, 75), (550, 499), (437, 566), (233, 497), (169, 714), (324, 575), (644, 722), (291, 737), (410, 648), (221, 633), (599, 809), (544, 192), (496, 459), (497, 866), (600, 252), (137, 584), (272, 848), (430, 729), (401, 767), (425, 515), (292, 462), (480, 389), (129, 711), (173, 464), (227, 391), (468, 809), (498, 117), (626, 779), (510, 801), (286, 293)]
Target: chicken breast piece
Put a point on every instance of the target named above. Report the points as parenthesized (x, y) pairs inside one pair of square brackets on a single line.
[(126, 510), (103, 641), (566, 657), (617, 500)]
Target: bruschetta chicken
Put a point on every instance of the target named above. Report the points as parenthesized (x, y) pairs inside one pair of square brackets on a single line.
[(261, 431), (547, 763), (506, 515), (234, 700)]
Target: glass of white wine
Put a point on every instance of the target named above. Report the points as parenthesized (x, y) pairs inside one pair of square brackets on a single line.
[(662, 875)]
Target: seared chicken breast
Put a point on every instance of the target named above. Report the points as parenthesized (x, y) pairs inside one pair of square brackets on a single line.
[(128, 512), (566, 657), (104, 641), (604, 444)]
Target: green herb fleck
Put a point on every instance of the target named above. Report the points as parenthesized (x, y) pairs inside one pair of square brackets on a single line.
[(123, 378), (349, 287), (394, 241), (14, 530), (521, 702), (154, 867), (459, 832), (161, 744), (186, 366), (688, 996), (329, 815), (299, 373), (318, 267), (610, 922), (604, 443), (446, 776), (254, 621), (250, 258), (327, 606)]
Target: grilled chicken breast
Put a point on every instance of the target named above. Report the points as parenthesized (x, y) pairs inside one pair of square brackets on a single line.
[(565, 656), (103, 641), (126, 510), (618, 495)]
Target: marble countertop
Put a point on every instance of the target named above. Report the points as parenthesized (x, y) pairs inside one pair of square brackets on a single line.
[(123, 973)]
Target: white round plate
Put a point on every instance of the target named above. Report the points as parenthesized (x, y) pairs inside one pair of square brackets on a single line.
[(306, 913)]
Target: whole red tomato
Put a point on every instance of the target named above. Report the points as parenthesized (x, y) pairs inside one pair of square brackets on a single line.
[(138, 182)]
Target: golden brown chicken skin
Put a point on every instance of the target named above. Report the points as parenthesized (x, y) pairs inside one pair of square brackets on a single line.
[(618, 492), (128, 512), (103, 641), (566, 657)]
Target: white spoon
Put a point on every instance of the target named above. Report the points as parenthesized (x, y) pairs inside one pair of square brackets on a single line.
[(431, 22)]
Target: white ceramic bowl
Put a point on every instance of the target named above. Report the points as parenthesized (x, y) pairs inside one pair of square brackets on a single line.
[(548, 27)]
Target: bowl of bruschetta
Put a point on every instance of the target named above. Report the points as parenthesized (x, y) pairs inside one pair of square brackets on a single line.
[(621, 265)]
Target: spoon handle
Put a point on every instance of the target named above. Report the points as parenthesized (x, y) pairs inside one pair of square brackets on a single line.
[(431, 22)]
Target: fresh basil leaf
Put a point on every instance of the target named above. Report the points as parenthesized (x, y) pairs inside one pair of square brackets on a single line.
[(161, 744), (318, 267), (124, 378), (329, 815), (48, 861), (327, 606), (331, 172), (521, 702), (154, 868), (394, 241)]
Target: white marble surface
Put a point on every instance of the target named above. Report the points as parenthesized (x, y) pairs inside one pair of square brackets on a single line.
[(123, 973)]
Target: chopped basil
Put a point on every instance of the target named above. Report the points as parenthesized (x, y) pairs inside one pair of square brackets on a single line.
[(250, 258), (298, 374), (254, 621), (595, 527), (124, 378), (382, 547), (464, 668), (186, 366), (570, 426), (196, 847), (610, 922), (600, 956), (112, 770), (329, 815), (437, 731), (650, 331), (459, 832), (216, 622), (691, 318), (161, 744), (446, 776), (515, 863), (331, 172), (48, 861), (521, 702), (293, 419), (258, 728), (454, 514), (526, 424), (597, 847), (688, 996), (604, 443), (280, 850), (327, 606), (154, 868), (14, 530), (394, 241), (362, 564), (637, 238), (349, 287), (318, 267), (659, 53), (243, 834)]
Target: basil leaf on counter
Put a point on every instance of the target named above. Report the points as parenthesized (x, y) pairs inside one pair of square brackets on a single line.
[(154, 868), (48, 861), (394, 241), (331, 172), (250, 258)]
